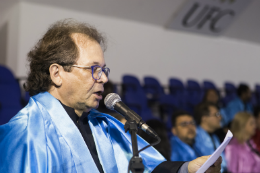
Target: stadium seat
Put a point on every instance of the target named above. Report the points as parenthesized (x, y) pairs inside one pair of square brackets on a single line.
[(193, 86), (6, 76), (230, 93), (137, 102), (256, 95), (134, 96), (230, 89), (176, 86), (209, 85), (131, 84), (152, 88), (168, 104), (10, 95)]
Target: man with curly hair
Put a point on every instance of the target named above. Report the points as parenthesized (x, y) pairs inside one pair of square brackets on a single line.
[(60, 130)]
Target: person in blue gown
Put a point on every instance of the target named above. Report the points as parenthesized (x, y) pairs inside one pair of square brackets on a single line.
[(240, 104), (59, 130), (183, 139), (208, 119)]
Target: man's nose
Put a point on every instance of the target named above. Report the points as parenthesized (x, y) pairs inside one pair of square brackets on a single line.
[(104, 78)]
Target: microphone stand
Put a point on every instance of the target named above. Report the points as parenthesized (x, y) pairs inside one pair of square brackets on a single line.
[(136, 163)]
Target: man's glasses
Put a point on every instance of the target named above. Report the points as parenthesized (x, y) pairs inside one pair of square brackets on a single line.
[(96, 70), (216, 114), (186, 124)]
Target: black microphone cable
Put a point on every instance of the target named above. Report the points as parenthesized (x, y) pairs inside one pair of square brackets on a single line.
[(152, 144)]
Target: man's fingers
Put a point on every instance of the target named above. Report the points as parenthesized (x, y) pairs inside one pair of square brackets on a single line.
[(218, 162), (215, 169), (205, 157)]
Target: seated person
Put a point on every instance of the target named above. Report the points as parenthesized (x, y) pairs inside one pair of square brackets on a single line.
[(182, 143), (164, 146), (239, 104), (256, 137), (208, 118), (241, 154), (212, 96)]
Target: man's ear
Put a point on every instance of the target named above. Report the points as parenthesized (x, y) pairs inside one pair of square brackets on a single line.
[(174, 131), (55, 71)]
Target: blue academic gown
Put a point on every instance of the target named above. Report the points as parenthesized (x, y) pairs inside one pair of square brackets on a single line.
[(205, 145), (182, 151), (234, 107), (42, 138)]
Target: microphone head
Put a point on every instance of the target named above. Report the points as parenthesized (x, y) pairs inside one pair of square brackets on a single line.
[(111, 99)]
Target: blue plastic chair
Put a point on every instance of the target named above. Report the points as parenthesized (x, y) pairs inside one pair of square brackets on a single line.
[(168, 104), (152, 88), (137, 102), (256, 95), (134, 96), (230, 93), (181, 94), (6, 113), (230, 89), (131, 84), (194, 96), (6, 76), (10, 95), (209, 85), (193, 86), (257, 88), (176, 86)]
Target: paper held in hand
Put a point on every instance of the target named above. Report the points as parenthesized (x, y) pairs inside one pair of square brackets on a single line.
[(212, 159)]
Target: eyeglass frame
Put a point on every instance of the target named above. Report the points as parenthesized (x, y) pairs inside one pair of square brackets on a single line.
[(186, 124), (218, 114), (92, 69)]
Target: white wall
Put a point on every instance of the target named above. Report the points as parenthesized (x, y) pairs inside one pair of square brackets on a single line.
[(143, 49), (9, 17)]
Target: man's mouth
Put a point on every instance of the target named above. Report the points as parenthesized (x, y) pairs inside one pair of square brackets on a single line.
[(98, 94)]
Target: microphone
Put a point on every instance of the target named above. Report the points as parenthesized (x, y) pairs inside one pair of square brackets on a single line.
[(114, 102)]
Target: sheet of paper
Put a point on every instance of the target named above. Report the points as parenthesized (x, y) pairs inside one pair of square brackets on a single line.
[(216, 154)]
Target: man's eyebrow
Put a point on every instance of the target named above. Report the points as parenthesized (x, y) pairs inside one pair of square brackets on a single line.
[(97, 63)]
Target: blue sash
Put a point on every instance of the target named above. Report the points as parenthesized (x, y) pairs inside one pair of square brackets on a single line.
[(205, 145), (42, 138), (182, 151)]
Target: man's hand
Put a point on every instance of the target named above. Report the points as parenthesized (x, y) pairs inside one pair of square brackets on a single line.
[(194, 165)]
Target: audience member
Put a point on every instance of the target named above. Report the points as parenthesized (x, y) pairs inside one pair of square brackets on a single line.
[(208, 118), (164, 146), (211, 96), (256, 137), (241, 154), (239, 104), (182, 143)]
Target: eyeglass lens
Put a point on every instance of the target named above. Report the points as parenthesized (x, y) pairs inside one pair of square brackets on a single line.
[(97, 72), (185, 124)]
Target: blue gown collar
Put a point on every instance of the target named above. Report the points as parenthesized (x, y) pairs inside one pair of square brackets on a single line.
[(182, 151), (112, 143), (72, 135)]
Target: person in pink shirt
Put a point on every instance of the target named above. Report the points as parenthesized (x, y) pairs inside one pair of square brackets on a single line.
[(256, 137), (241, 153)]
